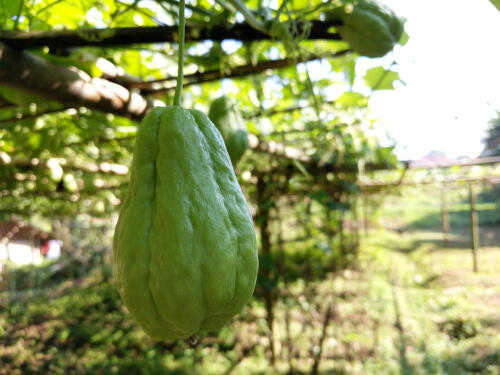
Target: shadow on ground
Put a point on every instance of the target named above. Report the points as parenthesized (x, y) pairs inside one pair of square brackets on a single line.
[(410, 239)]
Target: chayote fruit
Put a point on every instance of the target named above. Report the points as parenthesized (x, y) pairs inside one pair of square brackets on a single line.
[(228, 120), (184, 249), (371, 29)]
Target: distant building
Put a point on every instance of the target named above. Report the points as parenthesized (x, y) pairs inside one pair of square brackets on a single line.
[(21, 243), (432, 158)]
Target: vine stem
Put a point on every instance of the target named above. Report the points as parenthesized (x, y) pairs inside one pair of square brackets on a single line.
[(249, 17), (180, 62)]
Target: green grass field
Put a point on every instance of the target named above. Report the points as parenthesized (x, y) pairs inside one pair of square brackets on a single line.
[(404, 310), (421, 208), (444, 314), (410, 307)]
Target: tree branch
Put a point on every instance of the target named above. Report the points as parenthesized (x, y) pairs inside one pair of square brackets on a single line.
[(30, 73), (4, 103), (135, 35), (24, 71), (236, 72), (272, 112), (277, 149), (30, 116), (28, 164)]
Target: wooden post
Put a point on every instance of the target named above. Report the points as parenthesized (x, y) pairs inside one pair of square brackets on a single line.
[(445, 222), (473, 226), (356, 225), (308, 213), (324, 335), (33, 260), (262, 218), (328, 228), (342, 254), (365, 215)]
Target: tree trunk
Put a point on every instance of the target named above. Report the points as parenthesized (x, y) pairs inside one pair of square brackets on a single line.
[(265, 244)]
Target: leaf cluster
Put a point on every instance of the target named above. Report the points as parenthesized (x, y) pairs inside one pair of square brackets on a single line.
[(324, 115)]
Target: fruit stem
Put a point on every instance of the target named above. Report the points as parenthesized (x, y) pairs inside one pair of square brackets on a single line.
[(180, 59)]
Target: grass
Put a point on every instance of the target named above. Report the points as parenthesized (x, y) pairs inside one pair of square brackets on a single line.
[(410, 307), (404, 310), (445, 313), (421, 209)]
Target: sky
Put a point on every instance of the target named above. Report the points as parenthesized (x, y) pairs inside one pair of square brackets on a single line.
[(451, 72)]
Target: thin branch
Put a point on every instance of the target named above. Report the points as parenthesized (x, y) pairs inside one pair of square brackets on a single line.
[(249, 16), (236, 72), (243, 354), (101, 140), (180, 57), (4, 103), (317, 357), (29, 164), (240, 70), (460, 181), (320, 30), (19, 12), (315, 168), (70, 197), (281, 110), (30, 116), (194, 8), (128, 7), (276, 149)]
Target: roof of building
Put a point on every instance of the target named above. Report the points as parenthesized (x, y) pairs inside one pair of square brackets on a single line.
[(19, 230)]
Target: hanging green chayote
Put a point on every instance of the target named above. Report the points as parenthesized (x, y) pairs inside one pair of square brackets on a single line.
[(184, 250), (371, 29), (228, 120)]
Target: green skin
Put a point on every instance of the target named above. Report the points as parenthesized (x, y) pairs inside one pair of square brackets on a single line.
[(228, 121), (184, 251), (371, 29)]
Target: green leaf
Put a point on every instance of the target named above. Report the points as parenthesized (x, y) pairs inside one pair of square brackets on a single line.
[(496, 3), (8, 10), (19, 97), (379, 78), (386, 154), (404, 38), (351, 99)]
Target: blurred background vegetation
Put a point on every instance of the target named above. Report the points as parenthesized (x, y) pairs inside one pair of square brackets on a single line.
[(356, 275)]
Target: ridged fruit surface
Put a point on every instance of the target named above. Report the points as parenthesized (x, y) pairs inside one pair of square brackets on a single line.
[(184, 250)]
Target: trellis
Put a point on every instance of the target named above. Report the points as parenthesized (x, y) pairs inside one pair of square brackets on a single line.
[(116, 94), (445, 184)]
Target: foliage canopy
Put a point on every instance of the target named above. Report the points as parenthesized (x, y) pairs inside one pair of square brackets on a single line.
[(295, 89)]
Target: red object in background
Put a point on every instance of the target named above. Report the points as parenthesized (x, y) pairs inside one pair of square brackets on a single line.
[(45, 248)]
